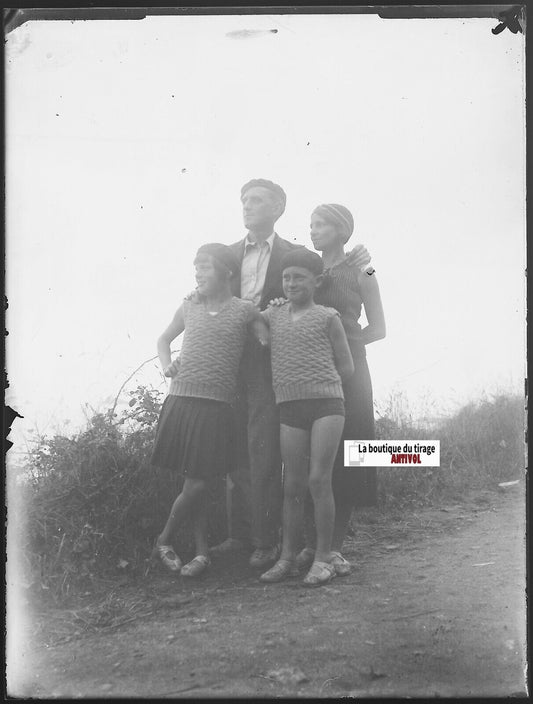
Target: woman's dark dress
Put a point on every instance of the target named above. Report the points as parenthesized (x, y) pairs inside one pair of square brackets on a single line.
[(341, 291)]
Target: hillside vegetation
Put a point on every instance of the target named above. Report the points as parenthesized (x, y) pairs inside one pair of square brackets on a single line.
[(90, 504)]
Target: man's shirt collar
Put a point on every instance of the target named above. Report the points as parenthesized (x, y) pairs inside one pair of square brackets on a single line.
[(248, 242)]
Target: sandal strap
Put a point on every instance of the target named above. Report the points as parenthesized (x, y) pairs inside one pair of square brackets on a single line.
[(282, 568), (340, 557), (282, 565), (201, 559), (323, 567), (168, 557), (196, 566), (163, 549)]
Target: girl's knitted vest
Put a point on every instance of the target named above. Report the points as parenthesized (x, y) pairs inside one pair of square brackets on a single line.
[(211, 351)]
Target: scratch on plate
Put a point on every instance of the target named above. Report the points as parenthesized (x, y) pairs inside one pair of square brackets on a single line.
[(248, 33)]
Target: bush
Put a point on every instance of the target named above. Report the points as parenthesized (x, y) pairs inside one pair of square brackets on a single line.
[(94, 503), (480, 445)]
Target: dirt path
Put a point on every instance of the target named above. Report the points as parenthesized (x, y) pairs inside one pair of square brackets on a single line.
[(435, 608)]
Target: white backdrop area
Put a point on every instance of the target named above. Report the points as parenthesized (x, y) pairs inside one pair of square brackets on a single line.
[(127, 145)]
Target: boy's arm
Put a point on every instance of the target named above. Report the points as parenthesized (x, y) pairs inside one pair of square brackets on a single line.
[(259, 327), (176, 327), (341, 349), (359, 256), (193, 296)]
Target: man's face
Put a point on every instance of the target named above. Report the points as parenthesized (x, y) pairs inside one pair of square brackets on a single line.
[(260, 208)]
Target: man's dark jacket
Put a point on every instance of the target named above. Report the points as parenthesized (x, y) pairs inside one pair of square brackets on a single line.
[(273, 287)]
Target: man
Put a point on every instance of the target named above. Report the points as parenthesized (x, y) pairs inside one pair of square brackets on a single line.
[(255, 497)]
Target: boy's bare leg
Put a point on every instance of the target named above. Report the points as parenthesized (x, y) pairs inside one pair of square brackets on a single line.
[(343, 513), (309, 523), (295, 456), (325, 437), (192, 491)]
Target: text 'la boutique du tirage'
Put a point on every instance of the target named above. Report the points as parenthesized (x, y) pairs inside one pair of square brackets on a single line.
[(376, 453)]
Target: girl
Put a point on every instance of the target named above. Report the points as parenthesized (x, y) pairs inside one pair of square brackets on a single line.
[(348, 289), (195, 433), (310, 357)]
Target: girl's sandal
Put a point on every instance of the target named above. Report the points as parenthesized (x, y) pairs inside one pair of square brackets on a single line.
[(305, 558), (196, 566), (341, 564), (168, 557), (281, 570), (320, 573)]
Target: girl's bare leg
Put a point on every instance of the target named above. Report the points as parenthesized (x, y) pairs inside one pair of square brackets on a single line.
[(191, 493), (295, 456), (325, 437), (200, 526)]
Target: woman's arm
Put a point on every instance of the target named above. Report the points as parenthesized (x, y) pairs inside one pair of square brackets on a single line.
[(341, 349), (375, 330), (176, 327)]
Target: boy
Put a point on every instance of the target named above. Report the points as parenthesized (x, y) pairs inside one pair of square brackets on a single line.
[(310, 358)]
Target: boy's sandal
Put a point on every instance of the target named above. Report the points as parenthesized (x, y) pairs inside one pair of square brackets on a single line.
[(341, 564), (196, 566), (320, 573), (167, 556), (305, 557), (281, 570)]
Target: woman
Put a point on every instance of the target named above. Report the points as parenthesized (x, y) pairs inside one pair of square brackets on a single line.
[(348, 289)]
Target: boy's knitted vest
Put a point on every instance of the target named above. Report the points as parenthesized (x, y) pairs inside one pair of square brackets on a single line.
[(211, 351), (303, 365)]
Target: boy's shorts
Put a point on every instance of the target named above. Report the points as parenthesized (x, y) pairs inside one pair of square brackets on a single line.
[(303, 413)]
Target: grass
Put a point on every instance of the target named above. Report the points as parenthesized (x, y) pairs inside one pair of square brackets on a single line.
[(481, 445), (91, 505)]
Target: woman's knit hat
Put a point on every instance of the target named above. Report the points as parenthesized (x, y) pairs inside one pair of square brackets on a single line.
[(222, 253), (303, 257), (337, 215)]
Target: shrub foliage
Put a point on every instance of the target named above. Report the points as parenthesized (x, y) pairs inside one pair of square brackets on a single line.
[(480, 445), (92, 502)]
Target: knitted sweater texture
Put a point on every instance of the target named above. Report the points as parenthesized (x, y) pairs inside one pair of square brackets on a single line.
[(212, 349), (340, 289), (303, 364)]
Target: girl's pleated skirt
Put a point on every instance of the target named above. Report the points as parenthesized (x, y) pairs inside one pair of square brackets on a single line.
[(195, 437)]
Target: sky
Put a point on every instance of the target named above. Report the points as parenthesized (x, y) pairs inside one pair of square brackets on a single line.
[(127, 143)]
